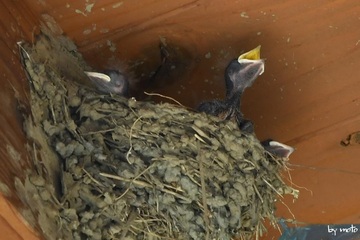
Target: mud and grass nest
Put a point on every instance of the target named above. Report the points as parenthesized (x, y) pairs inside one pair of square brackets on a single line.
[(138, 170)]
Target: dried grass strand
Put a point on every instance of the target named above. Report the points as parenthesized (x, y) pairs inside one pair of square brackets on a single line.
[(163, 96)]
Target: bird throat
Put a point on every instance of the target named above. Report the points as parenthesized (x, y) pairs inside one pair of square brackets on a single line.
[(233, 103)]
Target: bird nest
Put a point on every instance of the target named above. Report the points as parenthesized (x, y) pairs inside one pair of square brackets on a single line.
[(107, 167)]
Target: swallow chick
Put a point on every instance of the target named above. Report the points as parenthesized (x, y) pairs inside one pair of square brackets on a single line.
[(277, 149), (239, 75), (110, 81)]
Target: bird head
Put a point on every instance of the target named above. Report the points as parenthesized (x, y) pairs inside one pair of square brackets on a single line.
[(277, 149), (110, 81), (242, 72)]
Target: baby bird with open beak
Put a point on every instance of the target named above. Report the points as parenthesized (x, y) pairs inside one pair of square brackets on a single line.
[(239, 75)]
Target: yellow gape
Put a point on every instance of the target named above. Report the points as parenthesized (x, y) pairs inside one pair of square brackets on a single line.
[(252, 54)]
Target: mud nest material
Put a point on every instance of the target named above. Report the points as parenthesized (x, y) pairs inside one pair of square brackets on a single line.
[(138, 170)]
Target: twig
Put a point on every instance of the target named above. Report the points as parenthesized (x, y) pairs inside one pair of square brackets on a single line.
[(123, 194), (131, 129), (93, 179), (258, 193), (22, 50), (251, 163), (99, 131), (127, 224), (309, 190), (51, 106), (144, 184), (36, 161), (272, 187), (287, 208), (203, 193), (199, 138), (163, 96), (133, 180), (149, 233)]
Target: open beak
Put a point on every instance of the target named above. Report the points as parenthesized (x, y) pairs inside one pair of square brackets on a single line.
[(252, 58), (252, 54), (243, 71)]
